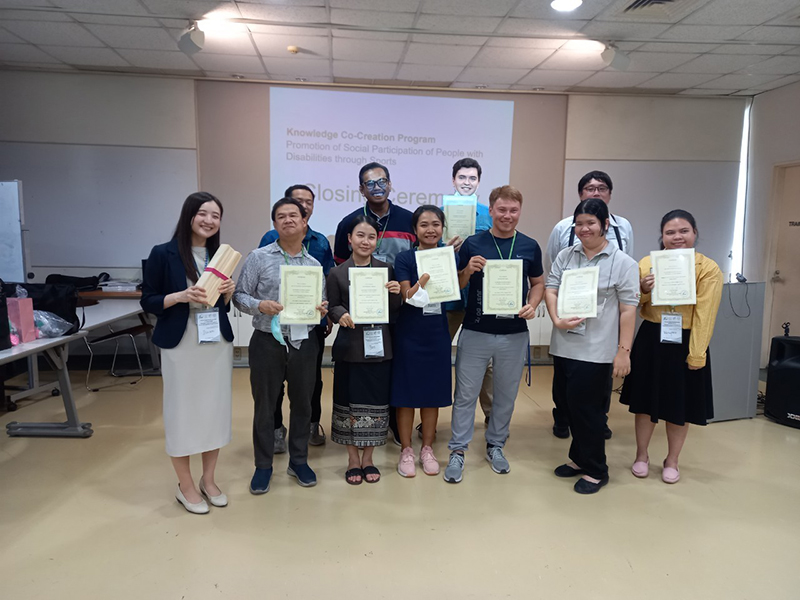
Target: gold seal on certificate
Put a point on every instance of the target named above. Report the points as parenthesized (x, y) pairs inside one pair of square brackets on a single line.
[(301, 293), (577, 295), (369, 298), (459, 216), (440, 264), (502, 287), (674, 273)]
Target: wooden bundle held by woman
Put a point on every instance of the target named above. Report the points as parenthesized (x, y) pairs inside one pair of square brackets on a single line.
[(222, 263)]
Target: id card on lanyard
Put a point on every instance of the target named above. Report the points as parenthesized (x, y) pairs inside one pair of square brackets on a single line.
[(373, 343), (207, 326), (510, 254), (434, 308), (671, 328)]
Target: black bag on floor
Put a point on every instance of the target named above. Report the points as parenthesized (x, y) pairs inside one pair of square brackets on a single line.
[(5, 331), (61, 300), (82, 284)]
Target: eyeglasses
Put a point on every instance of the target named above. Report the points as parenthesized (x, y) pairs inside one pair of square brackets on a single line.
[(596, 188), (373, 183)]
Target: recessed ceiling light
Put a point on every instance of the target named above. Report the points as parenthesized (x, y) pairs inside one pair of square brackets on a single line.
[(565, 5), (539, 89), (301, 79), (237, 76), (481, 86)]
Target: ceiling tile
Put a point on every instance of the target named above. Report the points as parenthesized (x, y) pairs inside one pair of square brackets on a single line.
[(39, 15), (618, 79), (370, 70), (54, 34), (774, 35), (469, 8), (372, 18), (747, 92), (288, 29), (778, 83), (569, 60), (299, 67), (439, 54), (192, 9), (676, 80), (456, 40), (793, 51), (543, 78), (125, 7), (536, 9), (27, 66), (441, 23), (286, 14), (381, 36), (511, 58), (388, 5), (657, 62), (289, 2), (739, 12), (479, 85), (718, 63), (704, 92), (766, 49), (117, 20), (738, 81), (428, 73), (174, 23), (158, 60), (144, 38), (484, 75), (229, 43), (275, 45), (229, 63), (503, 42), (24, 53), (6, 37), (355, 80), (777, 65), (347, 49), (609, 30), (677, 47), (567, 28), (704, 33), (99, 57)]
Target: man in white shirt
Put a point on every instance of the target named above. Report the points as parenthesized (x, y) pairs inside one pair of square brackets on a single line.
[(595, 184)]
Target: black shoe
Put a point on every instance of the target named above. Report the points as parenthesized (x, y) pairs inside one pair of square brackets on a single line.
[(607, 433), (567, 471), (582, 486)]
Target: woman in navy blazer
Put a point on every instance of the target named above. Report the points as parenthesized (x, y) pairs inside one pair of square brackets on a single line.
[(196, 370)]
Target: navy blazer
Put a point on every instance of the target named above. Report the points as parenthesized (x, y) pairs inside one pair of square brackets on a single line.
[(164, 274)]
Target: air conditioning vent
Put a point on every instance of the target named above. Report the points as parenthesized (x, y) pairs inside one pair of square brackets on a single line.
[(654, 11)]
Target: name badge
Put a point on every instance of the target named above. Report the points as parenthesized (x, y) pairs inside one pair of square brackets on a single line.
[(207, 322), (579, 330), (298, 332), (505, 316), (435, 308), (671, 328), (373, 343)]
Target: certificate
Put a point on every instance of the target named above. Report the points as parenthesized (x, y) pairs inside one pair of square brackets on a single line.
[(459, 216), (301, 293), (577, 295), (674, 273), (502, 287), (369, 298), (440, 264)]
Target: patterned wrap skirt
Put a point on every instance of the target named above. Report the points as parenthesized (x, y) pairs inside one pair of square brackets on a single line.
[(361, 403)]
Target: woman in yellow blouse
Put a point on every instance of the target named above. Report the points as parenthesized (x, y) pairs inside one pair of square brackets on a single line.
[(672, 381)]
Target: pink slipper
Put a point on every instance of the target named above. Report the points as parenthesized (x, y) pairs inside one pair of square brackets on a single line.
[(641, 468), (670, 475)]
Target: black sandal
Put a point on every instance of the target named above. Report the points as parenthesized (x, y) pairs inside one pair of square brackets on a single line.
[(354, 473), (372, 470)]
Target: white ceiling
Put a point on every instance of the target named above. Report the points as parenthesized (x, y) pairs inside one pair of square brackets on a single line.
[(696, 47)]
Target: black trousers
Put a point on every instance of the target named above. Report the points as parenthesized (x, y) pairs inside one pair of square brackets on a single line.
[(316, 397), (561, 411), (584, 387), (270, 365)]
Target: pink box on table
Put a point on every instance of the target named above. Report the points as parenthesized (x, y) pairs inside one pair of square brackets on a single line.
[(20, 313)]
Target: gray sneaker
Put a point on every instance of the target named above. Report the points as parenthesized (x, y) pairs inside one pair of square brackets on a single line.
[(494, 454), (317, 436), (280, 440), (455, 468)]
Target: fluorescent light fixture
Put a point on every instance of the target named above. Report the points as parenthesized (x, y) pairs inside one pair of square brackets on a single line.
[(565, 5), (737, 249)]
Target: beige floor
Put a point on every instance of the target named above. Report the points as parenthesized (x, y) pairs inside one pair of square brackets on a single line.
[(96, 518)]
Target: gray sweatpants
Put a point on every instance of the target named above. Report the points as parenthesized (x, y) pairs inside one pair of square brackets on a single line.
[(475, 350)]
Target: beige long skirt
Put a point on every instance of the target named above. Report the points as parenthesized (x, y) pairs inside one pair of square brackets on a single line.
[(197, 394)]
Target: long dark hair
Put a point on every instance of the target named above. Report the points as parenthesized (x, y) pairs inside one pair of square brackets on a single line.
[(183, 231), (678, 213)]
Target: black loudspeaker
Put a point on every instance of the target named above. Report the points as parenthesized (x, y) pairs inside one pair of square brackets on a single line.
[(783, 381)]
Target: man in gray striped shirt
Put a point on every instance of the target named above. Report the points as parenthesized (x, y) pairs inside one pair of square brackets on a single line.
[(279, 353)]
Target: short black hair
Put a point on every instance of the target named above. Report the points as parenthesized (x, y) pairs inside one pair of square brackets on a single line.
[(358, 219), (298, 186), (423, 209), (678, 213), (467, 163), (599, 175), (369, 167), (284, 202), (595, 207)]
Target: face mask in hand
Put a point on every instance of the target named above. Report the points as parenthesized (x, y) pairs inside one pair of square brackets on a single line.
[(275, 326)]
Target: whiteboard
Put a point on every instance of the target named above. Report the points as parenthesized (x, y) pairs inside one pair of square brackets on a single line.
[(12, 263), (98, 206)]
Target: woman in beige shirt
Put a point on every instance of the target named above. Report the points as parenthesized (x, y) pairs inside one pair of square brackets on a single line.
[(672, 381)]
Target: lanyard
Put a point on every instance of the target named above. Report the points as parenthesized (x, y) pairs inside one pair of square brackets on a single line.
[(204, 266), (510, 251), (303, 252), (383, 231)]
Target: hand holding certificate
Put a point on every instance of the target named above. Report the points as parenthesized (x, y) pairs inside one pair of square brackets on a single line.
[(577, 295), (459, 215), (301, 295), (674, 272), (502, 287), (369, 296), (440, 264)]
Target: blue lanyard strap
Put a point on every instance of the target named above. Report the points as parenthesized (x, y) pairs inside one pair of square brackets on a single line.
[(383, 231)]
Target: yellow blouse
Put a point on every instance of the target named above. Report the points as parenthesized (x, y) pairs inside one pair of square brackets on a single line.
[(700, 317)]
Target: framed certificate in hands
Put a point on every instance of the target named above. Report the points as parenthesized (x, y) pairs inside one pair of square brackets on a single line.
[(301, 293), (440, 264), (577, 295), (674, 272), (369, 298), (459, 216), (502, 287)]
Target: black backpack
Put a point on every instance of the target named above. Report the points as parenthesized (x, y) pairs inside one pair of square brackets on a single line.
[(59, 299)]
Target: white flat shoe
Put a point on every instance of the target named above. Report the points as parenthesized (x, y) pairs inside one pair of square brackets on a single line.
[(200, 508), (219, 501)]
